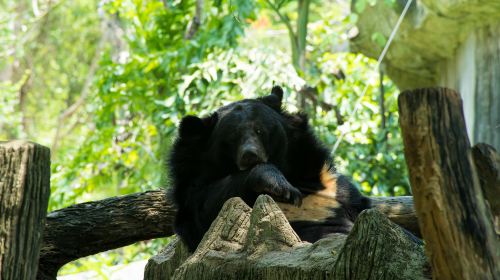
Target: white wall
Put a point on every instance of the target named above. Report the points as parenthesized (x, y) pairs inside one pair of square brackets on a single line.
[(474, 71), (459, 74)]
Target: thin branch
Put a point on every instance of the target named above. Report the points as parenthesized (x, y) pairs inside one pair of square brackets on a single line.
[(23, 95), (302, 21), (287, 23), (311, 94), (382, 95), (194, 25)]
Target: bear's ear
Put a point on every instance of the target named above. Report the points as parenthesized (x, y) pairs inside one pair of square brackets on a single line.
[(192, 126), (274, 99)]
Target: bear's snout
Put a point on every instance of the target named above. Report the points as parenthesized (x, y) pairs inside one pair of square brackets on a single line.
[(250, 154)]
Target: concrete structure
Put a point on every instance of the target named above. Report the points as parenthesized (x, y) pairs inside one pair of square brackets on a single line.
[(451, 43)]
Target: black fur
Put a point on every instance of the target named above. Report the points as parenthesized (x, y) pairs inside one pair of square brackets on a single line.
[(245, 149)]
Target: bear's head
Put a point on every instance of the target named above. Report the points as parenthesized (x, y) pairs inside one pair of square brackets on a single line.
[(242, 134)]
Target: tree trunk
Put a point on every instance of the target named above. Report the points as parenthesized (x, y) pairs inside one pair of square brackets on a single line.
[(259, 243), (24, 196), (487, 163), (164, 264), (460, 240), (89, 228)]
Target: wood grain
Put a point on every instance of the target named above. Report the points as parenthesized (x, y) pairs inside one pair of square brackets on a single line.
[(89, 228), (24, 196), (453, 217)]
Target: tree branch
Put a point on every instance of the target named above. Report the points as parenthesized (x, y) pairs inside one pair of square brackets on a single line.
[(291, 33), (194, 25), (23, 96), (312, 94), (89, 228), (302, 21), (92, 227)]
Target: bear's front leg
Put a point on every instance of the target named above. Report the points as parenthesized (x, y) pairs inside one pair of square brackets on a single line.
[(267, 178)]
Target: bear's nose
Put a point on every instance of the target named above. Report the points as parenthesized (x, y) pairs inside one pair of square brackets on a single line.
[(249, 158)]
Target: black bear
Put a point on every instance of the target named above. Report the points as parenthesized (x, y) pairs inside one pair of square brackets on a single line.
[(253, 147)]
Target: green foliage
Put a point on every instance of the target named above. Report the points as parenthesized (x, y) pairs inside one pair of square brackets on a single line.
[(10, 119), (137, 102), (367, 149), (48, 56), (379, 38), (371, 154)]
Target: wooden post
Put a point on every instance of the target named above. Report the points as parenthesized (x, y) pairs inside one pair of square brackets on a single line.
[(24, 196), (453, 217), (488, 168)]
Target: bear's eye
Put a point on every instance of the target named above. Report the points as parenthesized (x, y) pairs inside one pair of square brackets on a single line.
[(259, 131)]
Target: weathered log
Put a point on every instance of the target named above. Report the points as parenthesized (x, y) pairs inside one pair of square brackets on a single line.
[(119, 221), (362, 256), (487, 163), (164, 264), (259, 243), (24, 196), (460, 241), (399, 210), (89, 228)]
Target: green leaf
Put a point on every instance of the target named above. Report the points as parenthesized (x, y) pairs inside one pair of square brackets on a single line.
[(359, 6), (379, 39)]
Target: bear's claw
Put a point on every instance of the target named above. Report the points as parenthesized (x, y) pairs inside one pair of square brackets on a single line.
[(266, 178)]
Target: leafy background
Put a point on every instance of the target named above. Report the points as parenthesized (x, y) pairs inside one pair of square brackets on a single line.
[(104, 83)]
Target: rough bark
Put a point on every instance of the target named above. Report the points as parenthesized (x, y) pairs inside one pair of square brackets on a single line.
[(195, 23), (260, 244), (378, 249), (400, 210), (115, 222), (487, 163), (164, 264), (89, 228), (24, 196), (460, 241)]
